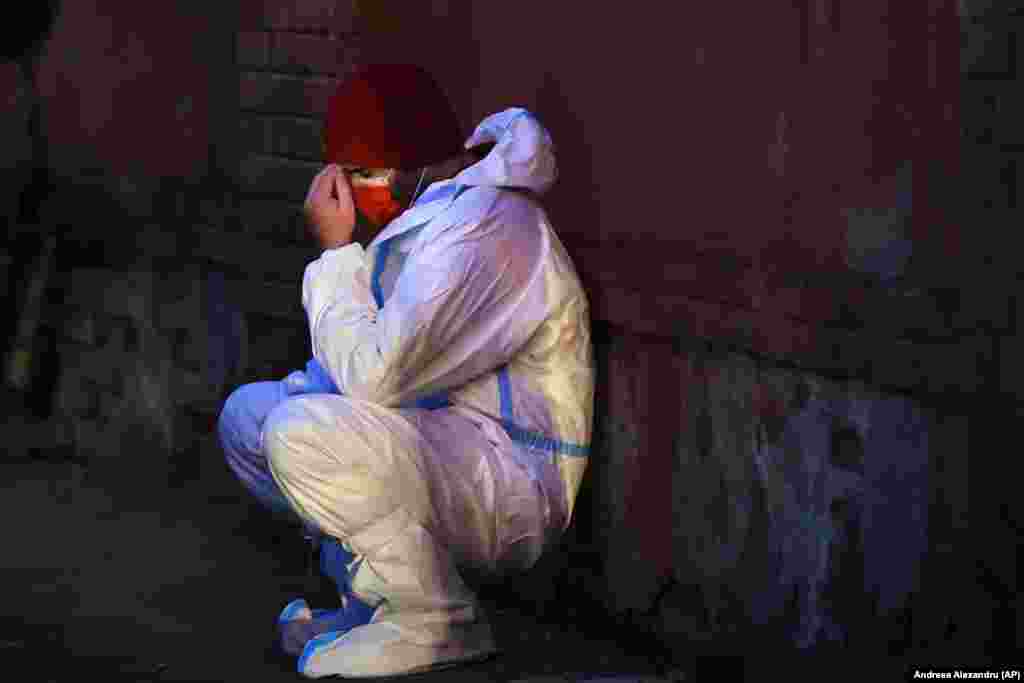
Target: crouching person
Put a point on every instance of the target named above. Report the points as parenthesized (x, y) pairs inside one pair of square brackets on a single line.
[(445, 418)]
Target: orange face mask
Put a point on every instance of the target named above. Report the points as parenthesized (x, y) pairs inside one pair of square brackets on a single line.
[(376, 203)]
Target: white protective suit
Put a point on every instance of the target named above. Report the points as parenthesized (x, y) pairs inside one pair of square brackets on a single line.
[(459, 347)]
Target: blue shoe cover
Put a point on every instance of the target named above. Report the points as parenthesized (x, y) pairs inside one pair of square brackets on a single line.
[(296, 629)]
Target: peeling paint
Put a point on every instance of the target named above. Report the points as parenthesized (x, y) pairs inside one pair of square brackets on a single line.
[(823, 502), (800, 494)]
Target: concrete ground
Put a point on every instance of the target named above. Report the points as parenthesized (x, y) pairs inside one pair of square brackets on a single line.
[(130, 579), (119, 572)]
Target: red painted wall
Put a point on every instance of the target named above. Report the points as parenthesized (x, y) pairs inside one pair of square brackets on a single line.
[(127, 86), (744, 127)]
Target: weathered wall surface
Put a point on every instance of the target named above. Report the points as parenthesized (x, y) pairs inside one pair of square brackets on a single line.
[(792, 501), (132, 137)]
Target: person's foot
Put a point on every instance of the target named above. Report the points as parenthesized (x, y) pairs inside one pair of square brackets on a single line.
[(297, 624), (381, 648), (293, 635)]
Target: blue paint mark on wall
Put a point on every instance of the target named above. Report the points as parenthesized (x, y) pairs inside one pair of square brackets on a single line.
[(834, 518), (226, 333)]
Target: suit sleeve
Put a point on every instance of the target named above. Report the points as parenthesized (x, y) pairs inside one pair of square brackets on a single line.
[(460, 308)]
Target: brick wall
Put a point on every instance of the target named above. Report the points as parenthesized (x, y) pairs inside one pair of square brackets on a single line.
[(289, 58), (176, 291)]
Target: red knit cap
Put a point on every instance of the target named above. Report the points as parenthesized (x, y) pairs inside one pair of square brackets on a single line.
[(390, 116)]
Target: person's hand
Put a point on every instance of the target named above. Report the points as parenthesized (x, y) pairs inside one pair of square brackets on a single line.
[(329, 208)]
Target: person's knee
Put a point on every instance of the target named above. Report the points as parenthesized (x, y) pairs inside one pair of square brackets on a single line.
[(317, 433), (305, 429), (287, 426), (233, 425)]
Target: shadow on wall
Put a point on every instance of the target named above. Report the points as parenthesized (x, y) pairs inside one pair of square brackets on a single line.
[(571, 202), (26, 33)]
